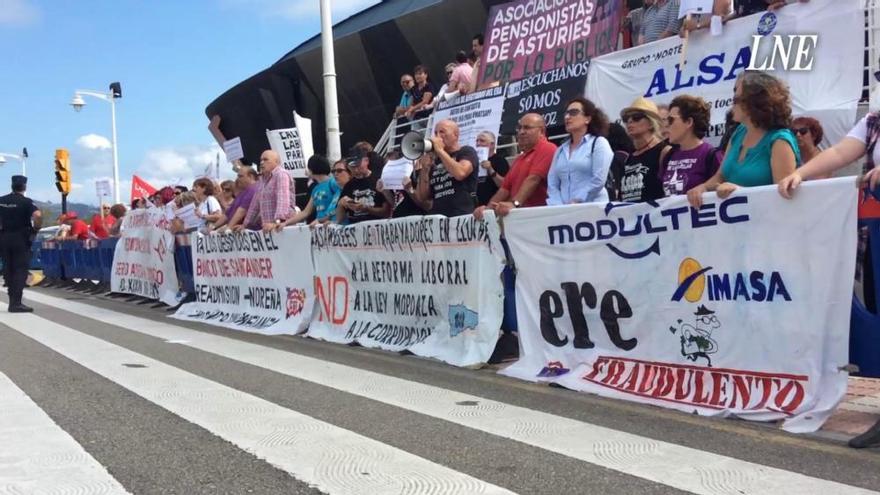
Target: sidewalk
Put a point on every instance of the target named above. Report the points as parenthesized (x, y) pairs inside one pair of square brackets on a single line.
[(859, 410)]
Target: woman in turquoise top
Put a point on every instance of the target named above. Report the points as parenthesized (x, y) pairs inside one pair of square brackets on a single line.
[(762, 150)]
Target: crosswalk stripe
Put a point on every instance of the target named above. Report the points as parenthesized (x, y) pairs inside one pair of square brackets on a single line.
[(661, 462), (330, 458), (39, 456)]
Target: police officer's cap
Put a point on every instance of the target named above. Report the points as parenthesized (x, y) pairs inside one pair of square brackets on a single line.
[(19, 181)]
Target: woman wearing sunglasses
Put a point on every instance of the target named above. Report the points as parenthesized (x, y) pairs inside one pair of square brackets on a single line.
[(580, 166), (762, 150), (808, 132), (693, 161), (640, 176)]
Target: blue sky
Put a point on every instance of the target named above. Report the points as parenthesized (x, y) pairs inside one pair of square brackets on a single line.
[(172, 58)]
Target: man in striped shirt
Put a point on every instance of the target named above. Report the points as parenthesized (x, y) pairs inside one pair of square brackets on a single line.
[(275, 199), (660, 20)]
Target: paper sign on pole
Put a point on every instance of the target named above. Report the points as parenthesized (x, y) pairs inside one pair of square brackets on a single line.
[(394, 172), (233, 149), (304, 126), (102, 187), (293, 145)]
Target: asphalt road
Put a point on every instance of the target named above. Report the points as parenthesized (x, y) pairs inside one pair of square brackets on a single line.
[(104, 396)]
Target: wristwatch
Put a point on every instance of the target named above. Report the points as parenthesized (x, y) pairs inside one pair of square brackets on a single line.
[(516, 204)]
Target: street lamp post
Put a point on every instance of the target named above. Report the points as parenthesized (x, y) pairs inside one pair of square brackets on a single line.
[(22, 158), (115, 92)]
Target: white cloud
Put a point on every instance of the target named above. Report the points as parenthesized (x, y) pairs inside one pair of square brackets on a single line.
[(297, 9), (183, 164), (93, 141), (18, 13)]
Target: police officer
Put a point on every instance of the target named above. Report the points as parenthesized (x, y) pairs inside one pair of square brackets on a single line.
[(19, 220)]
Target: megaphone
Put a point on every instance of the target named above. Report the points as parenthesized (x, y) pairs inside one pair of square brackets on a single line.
[(413, 145)]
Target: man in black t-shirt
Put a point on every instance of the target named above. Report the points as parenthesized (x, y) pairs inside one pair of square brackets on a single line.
[(448, 179), (359, 200)]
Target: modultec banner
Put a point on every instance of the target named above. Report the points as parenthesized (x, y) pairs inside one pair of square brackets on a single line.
[(253, 281), (741, 307), (143, 263), (829, 91), (430, 285)]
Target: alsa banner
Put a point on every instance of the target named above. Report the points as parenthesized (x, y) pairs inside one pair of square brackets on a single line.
[(739, 307), (527, 37), (474, 113), (246, 281), (829, 92), (430, 285), (143, 262)]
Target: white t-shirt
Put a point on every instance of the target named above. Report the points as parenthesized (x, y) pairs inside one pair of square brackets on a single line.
[(860, 132), (208, 207)]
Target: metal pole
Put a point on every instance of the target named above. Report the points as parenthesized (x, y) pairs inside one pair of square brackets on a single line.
[(331, 105), (115, 157), (24, 166)]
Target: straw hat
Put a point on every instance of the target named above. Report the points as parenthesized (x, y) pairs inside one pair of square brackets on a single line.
[(644, 105)]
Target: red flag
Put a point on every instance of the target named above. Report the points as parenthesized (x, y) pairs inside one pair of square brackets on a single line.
[(140, 188), (869, 207)]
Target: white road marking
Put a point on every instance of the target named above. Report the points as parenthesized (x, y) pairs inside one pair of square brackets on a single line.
[(670, 464), (334, 460), (38, 456)]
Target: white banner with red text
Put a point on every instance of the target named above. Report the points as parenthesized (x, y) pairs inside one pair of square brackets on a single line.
[(429, 285), (817, 48), (143, 262), (740, 307), (253, 281)]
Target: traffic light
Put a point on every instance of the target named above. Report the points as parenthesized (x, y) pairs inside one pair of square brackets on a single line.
[(62, 171)]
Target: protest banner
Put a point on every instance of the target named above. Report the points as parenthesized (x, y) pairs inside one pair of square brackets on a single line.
[(430, 285), (546, 94), (739, 307), (474, 113), (143, 262), (829, 92), (248, 281), (525, 37)]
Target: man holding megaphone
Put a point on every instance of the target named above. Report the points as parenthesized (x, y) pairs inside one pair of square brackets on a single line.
[(448, 175)]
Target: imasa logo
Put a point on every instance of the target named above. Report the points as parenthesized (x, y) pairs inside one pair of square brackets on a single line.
[(694, 282), (647, 227)]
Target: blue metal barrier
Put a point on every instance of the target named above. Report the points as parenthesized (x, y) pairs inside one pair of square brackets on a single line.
[(36, 262), (106, 249), (69, 259), (864, 340), (183, 262), (50, 259)]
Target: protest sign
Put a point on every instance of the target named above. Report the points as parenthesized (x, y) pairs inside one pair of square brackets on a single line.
[(546, 94), (739, 307), (233, 150), (430, 285), (394, 172), (187, 214), (143, 263), (102, 188), (525, 37), (474, 113), (694, 7), (247, 281)]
